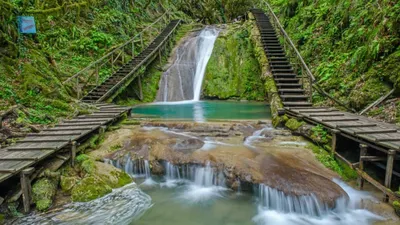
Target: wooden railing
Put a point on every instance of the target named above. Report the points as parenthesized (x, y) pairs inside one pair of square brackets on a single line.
[(109, 63), (308, 80)]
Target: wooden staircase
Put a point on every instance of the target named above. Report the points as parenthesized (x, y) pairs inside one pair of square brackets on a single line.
[(128, 72), (289, 87)]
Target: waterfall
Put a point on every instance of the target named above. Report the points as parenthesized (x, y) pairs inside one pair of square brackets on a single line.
[(199, 175), (135, 168), (273, 199), (275, 207), (184, 78)]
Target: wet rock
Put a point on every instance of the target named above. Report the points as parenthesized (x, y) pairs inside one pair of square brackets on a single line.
[(288, 176), (90, 188), (188, 145), (43, 192), (67, 183), (156, 168)]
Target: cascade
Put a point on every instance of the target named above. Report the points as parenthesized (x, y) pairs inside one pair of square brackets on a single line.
[(184, 78), (135, 168)]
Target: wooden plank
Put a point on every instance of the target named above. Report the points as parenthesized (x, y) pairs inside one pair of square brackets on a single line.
[(13, 166), (25, 155), (324, 114), (48, 134), (85, 120), (376, 131), (381, 137), (72, 128), (97, 124), (357, 125), (316, 110), (338, 119)]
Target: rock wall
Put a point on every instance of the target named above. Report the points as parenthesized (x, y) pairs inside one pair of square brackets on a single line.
[(233, 71)]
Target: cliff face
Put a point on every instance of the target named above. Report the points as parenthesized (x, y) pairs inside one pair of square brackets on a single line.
[(233, 71), (351, 46)]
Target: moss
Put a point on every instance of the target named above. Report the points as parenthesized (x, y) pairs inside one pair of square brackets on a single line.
[(67, 183), (396, 205), (293, 124), (131, 122), (2, 218), (344, 171), (233, 71), (89, 188), (43, 192), (123, 178)]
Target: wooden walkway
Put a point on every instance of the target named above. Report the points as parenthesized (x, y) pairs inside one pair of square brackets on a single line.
[(36, 147), (129, 71), (369, 133)]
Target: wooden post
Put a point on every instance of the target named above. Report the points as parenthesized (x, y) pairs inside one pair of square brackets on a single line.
[(97, 74), (78, 94), (140, 88), (141, 41), (159, 55), (363, 152), (73, 153), (26, 188), (1, 122), (335, 134), (133, 48), (389, 171)]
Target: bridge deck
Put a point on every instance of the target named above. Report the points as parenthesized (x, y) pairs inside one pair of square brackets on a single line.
[(38, 146), (360, 127)]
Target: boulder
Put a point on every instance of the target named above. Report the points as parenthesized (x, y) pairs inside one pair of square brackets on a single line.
[(43, 192), (188, 145)]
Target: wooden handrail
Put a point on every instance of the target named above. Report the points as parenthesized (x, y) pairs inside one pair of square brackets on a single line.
[(130, 41), (313, 83)]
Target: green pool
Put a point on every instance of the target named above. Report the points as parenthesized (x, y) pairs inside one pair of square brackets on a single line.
[(205, 110)]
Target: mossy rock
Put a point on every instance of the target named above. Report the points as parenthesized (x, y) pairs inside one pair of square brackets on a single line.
[(90, 188), (114, 177), (67, 183), (293, 124), (396, 206), (43, 192)]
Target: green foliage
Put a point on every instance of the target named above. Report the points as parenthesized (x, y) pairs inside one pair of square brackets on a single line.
[(115, 147), (329, 161), (351, 46), (319, 134), (233, 71), (396, 205), (71, 34), (293, 124), (215, 11)]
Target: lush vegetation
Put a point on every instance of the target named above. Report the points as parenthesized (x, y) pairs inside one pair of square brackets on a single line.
[(71, 34), (217, 11), (351, 46), (233, 71)]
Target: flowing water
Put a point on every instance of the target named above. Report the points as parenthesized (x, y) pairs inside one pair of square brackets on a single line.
[(183, 80)]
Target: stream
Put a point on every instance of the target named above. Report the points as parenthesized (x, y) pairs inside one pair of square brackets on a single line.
[(233, 173)]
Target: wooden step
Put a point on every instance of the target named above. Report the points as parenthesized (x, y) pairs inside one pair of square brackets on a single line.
[(287, 80), (297, 104), (289, 96), (291, 90)]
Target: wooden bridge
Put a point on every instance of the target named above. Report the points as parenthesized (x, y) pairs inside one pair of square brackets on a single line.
[(369, 133), (65, 137)]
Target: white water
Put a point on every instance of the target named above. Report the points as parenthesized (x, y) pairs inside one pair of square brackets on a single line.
[(135, 168), (207, 41), (122, 206), (256, 136), (182, 82), (276, 208)]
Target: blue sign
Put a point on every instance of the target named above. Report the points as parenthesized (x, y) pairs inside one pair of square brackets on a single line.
[(26, 25)]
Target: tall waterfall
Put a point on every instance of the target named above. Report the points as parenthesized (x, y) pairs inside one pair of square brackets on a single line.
[(183, 80)]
